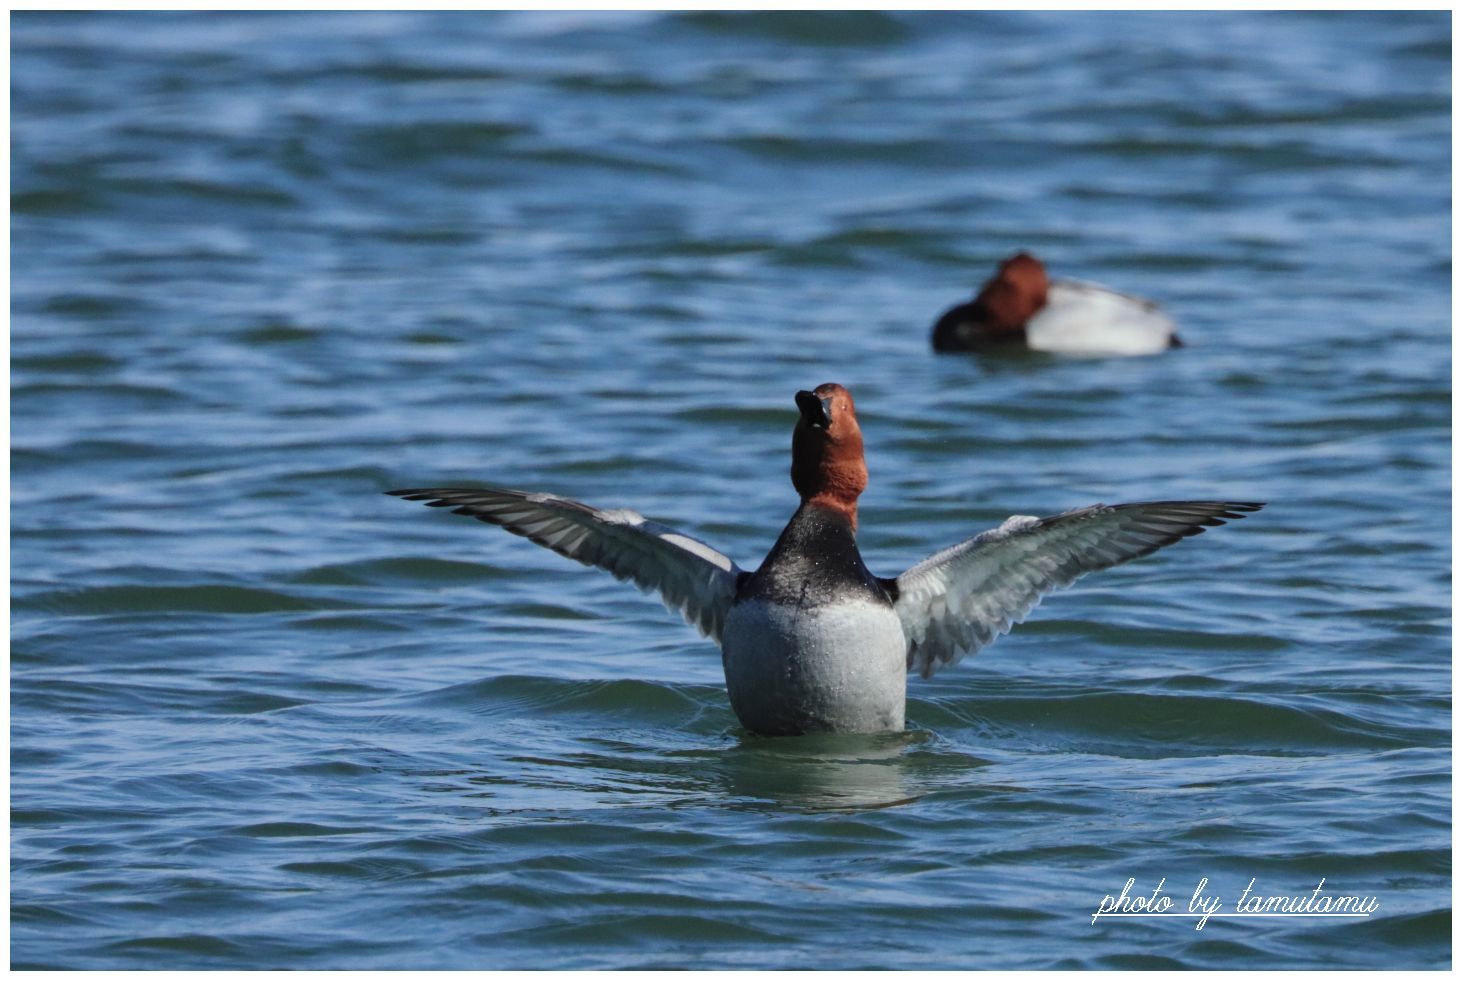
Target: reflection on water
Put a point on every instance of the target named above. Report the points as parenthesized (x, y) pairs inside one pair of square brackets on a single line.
[(830, 772)]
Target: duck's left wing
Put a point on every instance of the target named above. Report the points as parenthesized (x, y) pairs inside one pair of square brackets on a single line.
[(689, 575), (959, 600)]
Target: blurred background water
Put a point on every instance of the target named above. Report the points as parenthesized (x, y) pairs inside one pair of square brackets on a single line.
[(267, 266)]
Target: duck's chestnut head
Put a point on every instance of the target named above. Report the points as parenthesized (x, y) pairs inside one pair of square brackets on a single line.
[(827, 450), (1000, 311)]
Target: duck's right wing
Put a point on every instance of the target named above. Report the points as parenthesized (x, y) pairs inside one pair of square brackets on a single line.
[(689, 575), (959, 600)]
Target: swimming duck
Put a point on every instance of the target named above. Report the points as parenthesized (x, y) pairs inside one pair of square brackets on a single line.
[(812, 640), (1020, 307)]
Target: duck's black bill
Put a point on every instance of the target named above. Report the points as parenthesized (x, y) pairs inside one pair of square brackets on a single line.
[(814, 410)]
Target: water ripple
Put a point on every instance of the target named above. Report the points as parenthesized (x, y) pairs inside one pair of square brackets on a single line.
[(267, 266)]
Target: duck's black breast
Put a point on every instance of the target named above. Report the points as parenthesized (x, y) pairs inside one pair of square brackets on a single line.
[(815, 562), (966, 328)]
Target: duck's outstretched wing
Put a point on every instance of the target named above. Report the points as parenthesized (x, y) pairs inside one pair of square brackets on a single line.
[(689, 575), (959, 600)]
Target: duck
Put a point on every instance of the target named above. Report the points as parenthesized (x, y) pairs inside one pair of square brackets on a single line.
[(1020, 307), (812, 640)]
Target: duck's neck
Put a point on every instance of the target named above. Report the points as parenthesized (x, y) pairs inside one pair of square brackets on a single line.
[(844, 508), (830, 476)]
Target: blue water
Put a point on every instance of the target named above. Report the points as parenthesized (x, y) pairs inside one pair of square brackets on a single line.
[(265, 267)]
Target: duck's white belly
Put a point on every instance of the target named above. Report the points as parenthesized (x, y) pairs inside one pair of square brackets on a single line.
[(837, 667), (1081, 318)]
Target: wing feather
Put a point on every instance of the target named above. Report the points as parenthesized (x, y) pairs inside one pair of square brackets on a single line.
[(963, 598), (690, 576)]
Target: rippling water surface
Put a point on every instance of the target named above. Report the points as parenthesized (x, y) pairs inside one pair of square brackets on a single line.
[(265, 267)]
